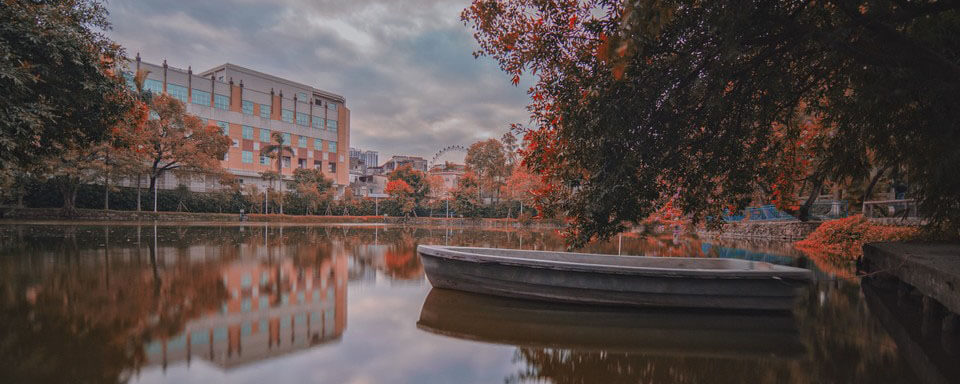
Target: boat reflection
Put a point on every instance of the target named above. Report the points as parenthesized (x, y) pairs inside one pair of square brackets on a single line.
[(529, 324)]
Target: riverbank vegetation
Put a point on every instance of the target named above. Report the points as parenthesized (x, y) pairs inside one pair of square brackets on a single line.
[(836, 244), (714, 106)]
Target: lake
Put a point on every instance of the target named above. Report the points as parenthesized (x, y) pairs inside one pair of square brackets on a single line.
[(226, 303)]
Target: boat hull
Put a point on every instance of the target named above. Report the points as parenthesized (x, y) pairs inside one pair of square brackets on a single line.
[(615, 289)]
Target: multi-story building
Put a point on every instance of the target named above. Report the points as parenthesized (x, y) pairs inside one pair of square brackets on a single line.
[(398, 161), (360, 160), (249, 106), (451, 174)]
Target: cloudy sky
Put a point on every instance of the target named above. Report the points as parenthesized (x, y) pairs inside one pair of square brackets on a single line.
[(405, 66)]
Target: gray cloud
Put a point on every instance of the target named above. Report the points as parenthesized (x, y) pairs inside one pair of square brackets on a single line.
[(405, 67)]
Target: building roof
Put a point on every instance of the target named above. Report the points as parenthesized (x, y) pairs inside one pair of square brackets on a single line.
[(235, 67)]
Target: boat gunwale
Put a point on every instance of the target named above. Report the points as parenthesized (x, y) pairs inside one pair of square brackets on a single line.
[(776, 271)]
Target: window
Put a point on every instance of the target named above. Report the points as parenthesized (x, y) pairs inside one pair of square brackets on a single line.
[(302, 163), (303, 142), (302, 96), (248, 132), (200, 97), (130, 83), (318, 122), (318, 144), (221, 101), (303, 119), (152, 85), (286, 139), (287, 115), (264, 160), (248, 107), (285, 162), (332, 106), (317, 165), (333, 167), (332, 146), (264, 111), (225, 127), (247, 157), (332, 125), (154, 115), (178, 92), (264, 135), (318, 102)]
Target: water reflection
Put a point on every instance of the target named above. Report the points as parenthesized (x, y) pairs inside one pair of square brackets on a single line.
[(530, 324), (128, 303)]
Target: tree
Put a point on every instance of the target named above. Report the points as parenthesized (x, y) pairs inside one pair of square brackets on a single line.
[(466, 196), (636, 102), (275, 151), (415, 179), (402, 193), (312, 186), (489, 163), (522, 186), (75, 166), (56, 71), (175, 140), (131, 156), (510, 148)]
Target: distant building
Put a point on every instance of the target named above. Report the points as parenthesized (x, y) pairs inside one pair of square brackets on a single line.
[(398, 161), (249, 106), (360, 160), (451, 174)]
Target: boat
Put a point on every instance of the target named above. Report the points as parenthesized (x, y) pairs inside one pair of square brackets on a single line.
[(583, 328), (640, 281)]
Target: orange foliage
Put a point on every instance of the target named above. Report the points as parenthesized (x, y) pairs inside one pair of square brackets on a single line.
[(838, 242)]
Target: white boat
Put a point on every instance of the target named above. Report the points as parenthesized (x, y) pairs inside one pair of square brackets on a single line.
[(679, 282)]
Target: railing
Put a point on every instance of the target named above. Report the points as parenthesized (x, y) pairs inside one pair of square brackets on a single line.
[(904, 208), (820, 210)]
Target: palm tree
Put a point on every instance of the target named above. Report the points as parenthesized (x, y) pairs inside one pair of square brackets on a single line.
[(276, 151)]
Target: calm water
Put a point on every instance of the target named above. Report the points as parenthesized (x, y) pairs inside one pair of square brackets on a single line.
[(275, 304)]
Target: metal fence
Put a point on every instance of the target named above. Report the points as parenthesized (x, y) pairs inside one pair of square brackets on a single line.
[(903, 208), (820, 210)]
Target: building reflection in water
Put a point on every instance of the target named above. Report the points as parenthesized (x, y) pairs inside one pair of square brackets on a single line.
[(272, 309)]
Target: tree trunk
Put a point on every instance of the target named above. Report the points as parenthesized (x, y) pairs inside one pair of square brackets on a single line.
[(804, 212), (68, 189), (873, 183), (106, 191), (138, 192)]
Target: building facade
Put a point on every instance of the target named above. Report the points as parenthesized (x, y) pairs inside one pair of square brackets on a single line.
[(249, 106), (398, 161)]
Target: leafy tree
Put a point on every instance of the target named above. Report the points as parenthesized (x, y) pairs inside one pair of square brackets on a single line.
[(75, 166), (402, 193), (466, 196), (312, 186), (175, 140), (488, 162), (56, 72), (522, 186), (275, 151), (131, 157), (415, 179), (638, 101)]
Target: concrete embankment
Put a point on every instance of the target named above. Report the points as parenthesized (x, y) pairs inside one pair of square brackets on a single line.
[(776, 230), (94, 215), (931, 268)]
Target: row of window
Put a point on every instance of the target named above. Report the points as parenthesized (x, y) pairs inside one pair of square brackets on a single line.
[(223, 102), (247, 158)]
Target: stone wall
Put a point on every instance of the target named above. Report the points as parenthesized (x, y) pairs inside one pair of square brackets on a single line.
[(779, 230)]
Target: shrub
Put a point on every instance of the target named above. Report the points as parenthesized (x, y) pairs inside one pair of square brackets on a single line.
[(843, 239)]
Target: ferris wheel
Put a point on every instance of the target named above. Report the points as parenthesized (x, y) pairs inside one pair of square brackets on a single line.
[(446, 151)]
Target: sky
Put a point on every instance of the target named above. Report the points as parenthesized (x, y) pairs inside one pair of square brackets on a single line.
[(405, 67)]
